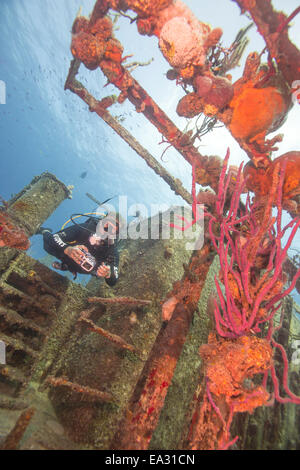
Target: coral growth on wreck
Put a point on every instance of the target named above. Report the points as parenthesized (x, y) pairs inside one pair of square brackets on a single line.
[(246, 236), (250, 288), (258, 180)]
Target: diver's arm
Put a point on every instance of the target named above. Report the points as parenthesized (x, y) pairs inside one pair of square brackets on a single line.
[(54, 244)]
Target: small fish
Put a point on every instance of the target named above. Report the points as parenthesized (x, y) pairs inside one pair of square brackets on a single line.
[(83, 174)]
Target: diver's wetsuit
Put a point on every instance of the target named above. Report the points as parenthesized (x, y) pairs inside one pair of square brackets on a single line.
[(56, 243)]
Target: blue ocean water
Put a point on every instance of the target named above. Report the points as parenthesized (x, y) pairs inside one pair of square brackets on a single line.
[(44, 128)]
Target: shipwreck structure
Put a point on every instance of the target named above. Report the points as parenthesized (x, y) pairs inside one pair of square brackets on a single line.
[(76, 356), (81, 360)]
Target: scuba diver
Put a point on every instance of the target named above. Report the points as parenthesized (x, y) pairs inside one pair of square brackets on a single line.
[(87, 248)]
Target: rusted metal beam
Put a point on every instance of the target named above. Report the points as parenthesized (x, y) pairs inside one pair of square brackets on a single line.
[(99, 107), (119, 301), (13, 439), (144, 104), (88, 393), (115, 339)]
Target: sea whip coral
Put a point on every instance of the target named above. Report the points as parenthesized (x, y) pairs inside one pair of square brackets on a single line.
[(250, 298)]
